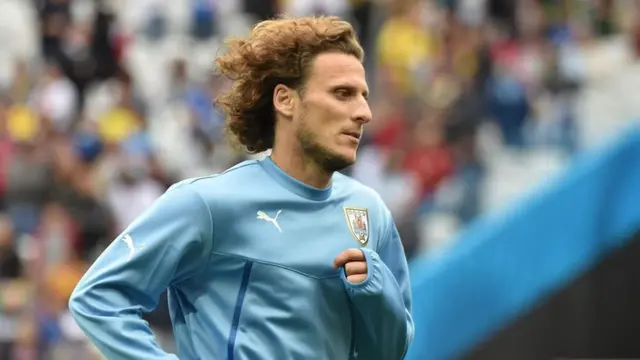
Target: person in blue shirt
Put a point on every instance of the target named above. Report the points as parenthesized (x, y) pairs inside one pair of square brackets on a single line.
[(281, 258)]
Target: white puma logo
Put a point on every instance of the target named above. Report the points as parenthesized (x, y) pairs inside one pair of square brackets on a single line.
[(127, 239), (263, 216)]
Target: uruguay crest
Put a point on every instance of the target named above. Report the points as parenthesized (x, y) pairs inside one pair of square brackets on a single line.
[(358, 222)]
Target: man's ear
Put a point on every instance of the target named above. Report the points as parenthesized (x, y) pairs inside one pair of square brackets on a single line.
[(284, 100)]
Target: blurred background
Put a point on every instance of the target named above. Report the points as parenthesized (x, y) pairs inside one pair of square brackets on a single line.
[(481, 108)]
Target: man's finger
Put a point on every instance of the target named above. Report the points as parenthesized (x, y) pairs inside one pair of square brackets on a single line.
[(355, 268), (347, 256), (357, 279)]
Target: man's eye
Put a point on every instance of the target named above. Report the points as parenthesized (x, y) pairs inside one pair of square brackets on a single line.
[(342, 93)]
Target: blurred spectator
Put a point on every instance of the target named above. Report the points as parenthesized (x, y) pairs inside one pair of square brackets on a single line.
[(408, 42), (22, 82), (55, 16), (132, 191), (10, 264), (11, 300), (428, 158), (125, 117), (508, 104), (316, 7), (203, 19), (28, 184), (56, 98), (261, 9), (152, 17)]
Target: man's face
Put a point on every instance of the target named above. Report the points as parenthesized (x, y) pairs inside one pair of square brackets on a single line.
[(332, 111)]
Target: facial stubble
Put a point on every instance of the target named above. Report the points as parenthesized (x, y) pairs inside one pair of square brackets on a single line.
[(314, 151)]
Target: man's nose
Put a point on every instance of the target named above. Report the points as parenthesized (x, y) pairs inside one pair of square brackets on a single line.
[(363, 113)]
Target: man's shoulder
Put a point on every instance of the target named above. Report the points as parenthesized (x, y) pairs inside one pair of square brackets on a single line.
[(231, 177)]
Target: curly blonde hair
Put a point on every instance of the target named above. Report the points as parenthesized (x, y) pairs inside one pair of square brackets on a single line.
[(276, 52)]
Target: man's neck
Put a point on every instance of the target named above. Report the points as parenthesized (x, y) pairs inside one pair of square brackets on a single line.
[(304, 170)]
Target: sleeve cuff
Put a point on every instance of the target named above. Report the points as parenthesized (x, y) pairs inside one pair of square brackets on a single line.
[(373, 282)]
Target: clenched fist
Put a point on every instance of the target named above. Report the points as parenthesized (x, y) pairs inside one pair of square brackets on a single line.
[(354, 263)]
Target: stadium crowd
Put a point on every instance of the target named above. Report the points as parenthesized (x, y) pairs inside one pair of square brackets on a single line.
[(104, 104)]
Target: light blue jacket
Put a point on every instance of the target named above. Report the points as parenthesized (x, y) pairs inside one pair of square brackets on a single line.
[(247, 258)]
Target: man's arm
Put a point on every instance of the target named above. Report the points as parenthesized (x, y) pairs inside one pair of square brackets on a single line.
[(383, 326), (167, 244)]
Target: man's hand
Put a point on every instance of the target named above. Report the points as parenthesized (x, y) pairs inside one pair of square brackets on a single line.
[(355, 265)]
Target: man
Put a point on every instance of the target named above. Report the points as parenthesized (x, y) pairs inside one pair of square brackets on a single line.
[(267, 260)]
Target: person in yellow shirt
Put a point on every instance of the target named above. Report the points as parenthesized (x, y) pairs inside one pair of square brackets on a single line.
[(406, 44), (23, 124), (118, 124)]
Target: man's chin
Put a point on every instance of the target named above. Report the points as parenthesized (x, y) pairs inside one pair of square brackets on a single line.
[(338, 162), (330, 159)]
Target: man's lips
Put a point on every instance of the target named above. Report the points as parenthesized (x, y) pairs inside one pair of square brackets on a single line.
[(354, 134)]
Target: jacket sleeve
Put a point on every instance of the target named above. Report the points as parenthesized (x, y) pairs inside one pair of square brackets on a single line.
[(170, 242), (383, 326)]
